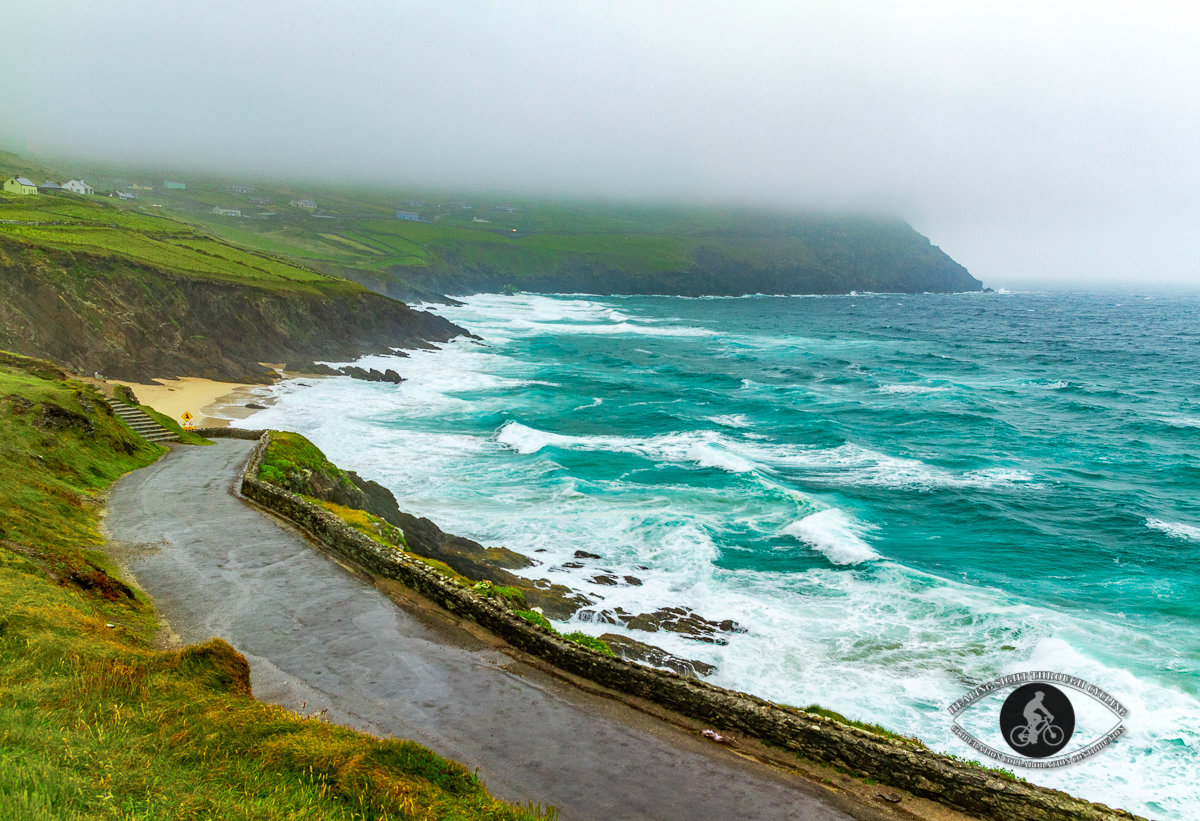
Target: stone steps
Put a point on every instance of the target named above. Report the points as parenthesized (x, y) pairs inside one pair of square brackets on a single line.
[(141, 424)]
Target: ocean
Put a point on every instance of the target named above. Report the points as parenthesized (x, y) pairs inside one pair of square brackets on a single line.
[(897, 496)]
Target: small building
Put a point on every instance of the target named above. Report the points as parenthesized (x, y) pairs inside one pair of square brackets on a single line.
[(137, 187), (49, 187), (261, 202), (78, 187), (411, 216), (466, 206), (479, 219), (19, 185), (174, 185), (242, 189), (302, 204), (226, 212), (123, 195)]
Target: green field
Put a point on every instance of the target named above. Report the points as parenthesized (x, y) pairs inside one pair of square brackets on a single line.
[(95, 723), (100, 227)]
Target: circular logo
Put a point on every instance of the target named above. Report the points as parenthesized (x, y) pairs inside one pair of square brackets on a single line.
[(1037, 720)]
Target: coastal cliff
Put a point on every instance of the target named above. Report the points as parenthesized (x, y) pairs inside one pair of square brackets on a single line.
[(132, 320), (812, 254)]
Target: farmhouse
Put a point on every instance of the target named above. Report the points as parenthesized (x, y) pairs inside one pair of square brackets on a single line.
[(123, 195), (261, 202), (408, 215), (174, 185), (19, 185), (78, 187), (226, 212), (302, 204), (242, 189), (49, 187)]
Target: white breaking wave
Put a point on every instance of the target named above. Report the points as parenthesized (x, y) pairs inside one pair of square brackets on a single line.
[(731, 420), (843, 465), (1182, 421), (835, 534), (1057, 386), (1178, 530), (903, 389)]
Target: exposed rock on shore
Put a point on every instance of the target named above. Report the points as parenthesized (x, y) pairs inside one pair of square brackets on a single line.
[(681, 620), (633, 650)]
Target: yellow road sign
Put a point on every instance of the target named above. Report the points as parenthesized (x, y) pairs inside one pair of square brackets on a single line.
[(186, 416)]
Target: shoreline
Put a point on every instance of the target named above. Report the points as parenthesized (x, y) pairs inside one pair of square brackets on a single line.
[(213, 404)]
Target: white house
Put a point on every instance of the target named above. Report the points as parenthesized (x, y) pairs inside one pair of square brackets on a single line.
[(226, 212), (411, 216), (302, 204), (78, 187), (123, 195)]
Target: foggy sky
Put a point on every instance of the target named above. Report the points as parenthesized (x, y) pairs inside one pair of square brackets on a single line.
[(1039, 144)]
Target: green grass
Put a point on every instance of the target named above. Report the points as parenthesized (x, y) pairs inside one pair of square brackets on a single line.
[(97, 724), (104, 229), (875, 729)]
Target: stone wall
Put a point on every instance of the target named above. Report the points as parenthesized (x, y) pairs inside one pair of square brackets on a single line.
[(895, 763)]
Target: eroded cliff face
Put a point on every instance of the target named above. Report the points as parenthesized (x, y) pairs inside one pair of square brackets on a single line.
[(129, 321)]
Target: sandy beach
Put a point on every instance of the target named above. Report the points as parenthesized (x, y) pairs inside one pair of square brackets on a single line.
[(212, 404)]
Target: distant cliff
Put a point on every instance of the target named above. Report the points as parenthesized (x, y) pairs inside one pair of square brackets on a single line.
[(815, 254)]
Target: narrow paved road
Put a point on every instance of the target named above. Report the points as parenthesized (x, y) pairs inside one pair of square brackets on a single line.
[(315, 633)]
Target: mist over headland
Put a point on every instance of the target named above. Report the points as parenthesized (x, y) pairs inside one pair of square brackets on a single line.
[(1041, 145)]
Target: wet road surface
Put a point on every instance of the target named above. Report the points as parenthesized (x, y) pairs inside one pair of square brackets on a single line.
[(317, 634)]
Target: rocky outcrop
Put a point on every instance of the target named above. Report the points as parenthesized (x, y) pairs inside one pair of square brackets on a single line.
[(633, 650), (136, 322)]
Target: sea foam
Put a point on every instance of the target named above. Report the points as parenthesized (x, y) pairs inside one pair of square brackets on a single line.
[(835, 534)]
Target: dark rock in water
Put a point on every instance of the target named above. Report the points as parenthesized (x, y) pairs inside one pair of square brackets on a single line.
[(642, 567), (572, 565), (683, 621), (255, 406), (988, 291), (311, 367), (604, 578), (372, 375), (634, 580), (632, 650), (541, 550), (583, 554)]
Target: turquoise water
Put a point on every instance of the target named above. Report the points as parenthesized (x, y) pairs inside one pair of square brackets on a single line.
[(897, 496)]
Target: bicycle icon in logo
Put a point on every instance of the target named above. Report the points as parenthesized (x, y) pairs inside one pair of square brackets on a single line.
[(1040, 726)]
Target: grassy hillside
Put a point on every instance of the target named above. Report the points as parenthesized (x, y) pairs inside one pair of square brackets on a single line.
[(464, 244), (101, 285), (94, 722)]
